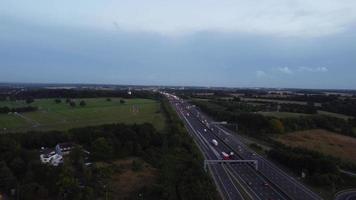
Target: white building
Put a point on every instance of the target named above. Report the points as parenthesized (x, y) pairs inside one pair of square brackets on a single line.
[(54, 156), (51, 157)]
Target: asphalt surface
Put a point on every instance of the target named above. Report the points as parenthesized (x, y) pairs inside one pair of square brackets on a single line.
[(346, 195), (266, 183)]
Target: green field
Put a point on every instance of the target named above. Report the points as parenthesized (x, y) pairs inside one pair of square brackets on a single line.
[(52, 116), (331, 114)]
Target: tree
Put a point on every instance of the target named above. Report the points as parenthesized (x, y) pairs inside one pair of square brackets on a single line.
[(77, 156), (33, 191), (29, 100), (101, 149), (67, 184), (68, 100), (277, 126), (57, 101), (108, 99), (8, 180), (82, 103), (122, 101), (18, 166)]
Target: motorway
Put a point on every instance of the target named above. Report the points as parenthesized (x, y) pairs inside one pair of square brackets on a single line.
[(346, 195), (238, 180)]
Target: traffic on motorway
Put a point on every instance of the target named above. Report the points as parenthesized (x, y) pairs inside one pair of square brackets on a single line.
[(246, 175)]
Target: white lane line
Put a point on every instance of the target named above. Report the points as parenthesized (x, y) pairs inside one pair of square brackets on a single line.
[(216, 174), (282, 173), (232, 173), (204, 140), (227, 174), (222, 183)]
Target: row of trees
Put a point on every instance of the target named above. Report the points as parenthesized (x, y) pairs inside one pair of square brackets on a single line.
[(298, 108), (237, 106), (346, 106), (320, 170), (6, 109), (71, 102), (75, 93), (256, 124)]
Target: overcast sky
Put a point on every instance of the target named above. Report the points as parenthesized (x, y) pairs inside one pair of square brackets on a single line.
[(235, 43)]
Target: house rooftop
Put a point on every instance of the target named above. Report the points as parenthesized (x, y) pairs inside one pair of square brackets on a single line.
[(66, 145)]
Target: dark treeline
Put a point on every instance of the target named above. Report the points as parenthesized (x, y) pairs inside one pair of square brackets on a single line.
[(297, 108), (320, 121), (320, 170), (306, 98), (235, 105), (6, 109), (74, 93), (171, 151), (347, 107), (256, 124)]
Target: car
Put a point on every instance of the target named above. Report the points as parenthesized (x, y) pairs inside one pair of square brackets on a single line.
[(205, 130), (265, 184)]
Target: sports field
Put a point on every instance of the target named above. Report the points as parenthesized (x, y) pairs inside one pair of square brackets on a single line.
[(53, 116)]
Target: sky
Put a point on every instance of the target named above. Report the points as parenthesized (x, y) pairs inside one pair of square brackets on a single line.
[(232, 43)]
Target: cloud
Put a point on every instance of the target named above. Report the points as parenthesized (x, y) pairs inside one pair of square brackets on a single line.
[(261, 74), (310, 69), (285, 70), (301, 18)]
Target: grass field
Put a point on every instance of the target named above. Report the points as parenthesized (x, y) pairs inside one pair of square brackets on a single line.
[(331, 114), (323, 141), (52, 116)]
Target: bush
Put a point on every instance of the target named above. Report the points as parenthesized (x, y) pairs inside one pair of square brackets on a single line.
[(102, 149), (82, 103), (29, 100)]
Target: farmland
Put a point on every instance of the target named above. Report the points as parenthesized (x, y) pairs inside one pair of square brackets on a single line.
[(322, 141), (62, 116)]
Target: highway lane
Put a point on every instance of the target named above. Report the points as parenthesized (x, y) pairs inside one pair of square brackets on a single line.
[(223, 180), (257, 185), (346, 195), (282, 181)]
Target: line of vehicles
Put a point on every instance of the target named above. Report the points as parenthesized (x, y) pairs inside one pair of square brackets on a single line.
[(225, 156), (216, 142)]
